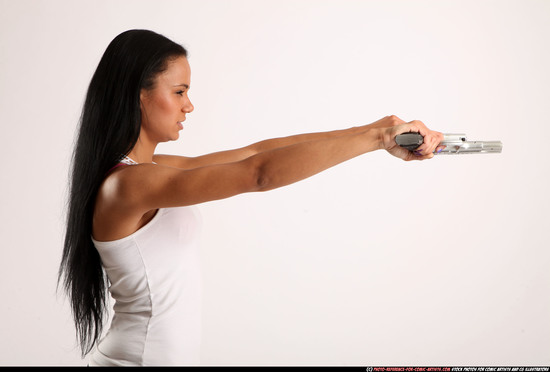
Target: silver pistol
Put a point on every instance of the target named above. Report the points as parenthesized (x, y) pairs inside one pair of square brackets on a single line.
[(454, 144)]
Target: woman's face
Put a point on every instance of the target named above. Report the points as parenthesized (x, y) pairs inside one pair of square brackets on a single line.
[(163, 108)]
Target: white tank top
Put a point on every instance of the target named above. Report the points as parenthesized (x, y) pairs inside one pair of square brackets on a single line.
[(155, 280)]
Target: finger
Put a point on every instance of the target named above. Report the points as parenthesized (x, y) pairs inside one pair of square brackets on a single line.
[(407, 127), (426, 151), (431, 142), (414, 156), (398, 120), (425, 156), (437, 140), (422, 129)]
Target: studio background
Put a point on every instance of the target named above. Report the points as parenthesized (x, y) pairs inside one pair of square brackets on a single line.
[(373, 262)]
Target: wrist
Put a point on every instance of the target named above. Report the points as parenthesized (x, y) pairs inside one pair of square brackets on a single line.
[(378, 135), (375, 138)]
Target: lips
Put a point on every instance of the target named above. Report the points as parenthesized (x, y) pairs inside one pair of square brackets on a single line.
[(180, 124)]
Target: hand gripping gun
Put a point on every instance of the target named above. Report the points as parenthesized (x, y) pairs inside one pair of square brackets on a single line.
[(455, 144)]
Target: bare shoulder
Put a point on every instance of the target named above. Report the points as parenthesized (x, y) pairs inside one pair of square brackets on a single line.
[(176, 161), (115, 213), (111, 192), (132, 194)]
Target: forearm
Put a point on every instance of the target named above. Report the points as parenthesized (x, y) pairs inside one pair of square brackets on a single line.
[(285, 165), (270, 144), (273, 143)]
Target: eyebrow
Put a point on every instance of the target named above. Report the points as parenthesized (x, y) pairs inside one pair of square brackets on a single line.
[(182, 85)]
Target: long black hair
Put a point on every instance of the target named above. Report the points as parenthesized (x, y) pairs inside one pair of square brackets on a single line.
[(109, 128)]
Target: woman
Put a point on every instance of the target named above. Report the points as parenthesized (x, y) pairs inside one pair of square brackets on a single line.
[(132, 223)]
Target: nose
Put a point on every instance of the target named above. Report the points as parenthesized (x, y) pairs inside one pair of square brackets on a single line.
[(187, 106)]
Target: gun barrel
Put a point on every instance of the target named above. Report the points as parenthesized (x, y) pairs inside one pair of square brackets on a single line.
[(470, 147), (450, 137)]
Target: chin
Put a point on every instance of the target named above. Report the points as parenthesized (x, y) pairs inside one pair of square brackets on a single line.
[(173, 137)]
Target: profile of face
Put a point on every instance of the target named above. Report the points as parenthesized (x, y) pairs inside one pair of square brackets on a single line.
[(163, 108)]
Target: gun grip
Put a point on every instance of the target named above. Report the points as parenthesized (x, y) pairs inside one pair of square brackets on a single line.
[(411, 141)]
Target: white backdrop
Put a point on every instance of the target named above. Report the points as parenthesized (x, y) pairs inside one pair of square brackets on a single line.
[(373, 262)]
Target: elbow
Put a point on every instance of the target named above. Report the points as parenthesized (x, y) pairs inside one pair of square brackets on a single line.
[(266, 173), (262, 180)]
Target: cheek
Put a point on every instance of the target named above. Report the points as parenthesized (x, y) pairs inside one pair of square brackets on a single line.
[(170, 105), (163, 105), (160, 107)]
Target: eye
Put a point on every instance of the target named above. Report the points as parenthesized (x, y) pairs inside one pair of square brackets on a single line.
[(180, 92)]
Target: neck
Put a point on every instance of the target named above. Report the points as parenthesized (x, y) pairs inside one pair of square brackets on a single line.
[(143, 151)]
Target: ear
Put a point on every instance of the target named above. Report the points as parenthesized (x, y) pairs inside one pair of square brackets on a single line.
[(142, 98)]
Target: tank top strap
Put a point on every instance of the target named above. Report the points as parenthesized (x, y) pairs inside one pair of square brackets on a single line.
[(115, 166)]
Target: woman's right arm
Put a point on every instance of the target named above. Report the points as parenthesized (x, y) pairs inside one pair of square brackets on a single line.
[(234, 155), (147, 186)]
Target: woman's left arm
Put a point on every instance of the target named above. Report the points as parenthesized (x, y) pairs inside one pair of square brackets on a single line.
[(229, 156)]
